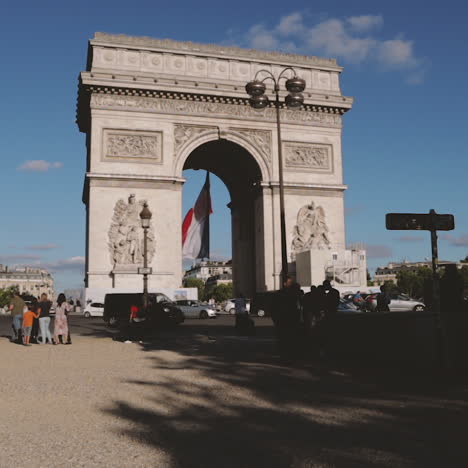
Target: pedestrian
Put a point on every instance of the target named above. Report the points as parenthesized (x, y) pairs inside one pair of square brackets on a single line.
[(69, 341), (383, 300), (243, 323), (329, 301), (358, 300), (35, 325), (308, 302), (287, 320), (451, 290), (61, 321), (17, 307), (28, 319), (44, 319)]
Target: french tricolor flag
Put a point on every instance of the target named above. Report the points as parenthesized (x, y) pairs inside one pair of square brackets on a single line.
[(196, 226)]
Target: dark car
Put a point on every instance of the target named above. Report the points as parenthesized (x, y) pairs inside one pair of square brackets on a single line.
[(126, 310)]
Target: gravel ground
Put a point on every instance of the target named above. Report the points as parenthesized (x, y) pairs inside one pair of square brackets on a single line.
[(200, 396)]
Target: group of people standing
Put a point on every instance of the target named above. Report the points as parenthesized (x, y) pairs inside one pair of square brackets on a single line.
[(304, 318), (31, 322)]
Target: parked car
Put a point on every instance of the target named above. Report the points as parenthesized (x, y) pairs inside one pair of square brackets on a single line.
[(196, 309), (348, 307), (123, 310), (229, 307), (94, 309), (398, 303)]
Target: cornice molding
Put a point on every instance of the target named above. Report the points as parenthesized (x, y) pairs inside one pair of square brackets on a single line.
[(170, 45)]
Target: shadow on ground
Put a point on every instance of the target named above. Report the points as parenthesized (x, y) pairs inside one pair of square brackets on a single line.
[(225, 401)]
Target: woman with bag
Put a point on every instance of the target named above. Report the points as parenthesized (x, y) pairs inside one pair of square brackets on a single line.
[(61, 321)]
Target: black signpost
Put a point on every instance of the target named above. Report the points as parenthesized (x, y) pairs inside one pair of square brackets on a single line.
[(432, 222)]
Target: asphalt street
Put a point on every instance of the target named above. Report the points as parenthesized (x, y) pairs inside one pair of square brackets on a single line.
[(201, 396)]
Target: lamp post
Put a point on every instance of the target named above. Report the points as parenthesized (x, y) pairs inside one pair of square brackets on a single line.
[(294, 100), (145, 217)]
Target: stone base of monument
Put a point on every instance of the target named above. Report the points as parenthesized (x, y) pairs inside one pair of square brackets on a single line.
[(127, 269), (345, 268)]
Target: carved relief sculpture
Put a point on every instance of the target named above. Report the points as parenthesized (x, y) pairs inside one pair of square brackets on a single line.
[(214, 109), (309, 156), (133, 145), (126, 236), (311, 230)]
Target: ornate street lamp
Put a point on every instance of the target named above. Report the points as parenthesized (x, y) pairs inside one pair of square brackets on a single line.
[(294, 100), (145, 217)]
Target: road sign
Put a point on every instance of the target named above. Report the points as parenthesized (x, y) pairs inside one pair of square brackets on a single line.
[(420, 221), (428, 222)]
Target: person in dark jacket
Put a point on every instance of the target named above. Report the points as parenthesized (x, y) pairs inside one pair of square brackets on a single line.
[(44, 307), (383, 300), (329, 300), (287, 319)]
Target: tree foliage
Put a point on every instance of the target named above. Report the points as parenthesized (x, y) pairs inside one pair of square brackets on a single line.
[(196, 283), (222, 292), (6, 295), (412, 282)]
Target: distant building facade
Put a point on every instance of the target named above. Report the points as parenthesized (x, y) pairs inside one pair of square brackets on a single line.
[(29, 280), (213, 281), (208, 269), (390, 272)]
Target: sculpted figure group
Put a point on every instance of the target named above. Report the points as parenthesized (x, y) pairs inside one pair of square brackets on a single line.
[(126, 234), (311, 230)]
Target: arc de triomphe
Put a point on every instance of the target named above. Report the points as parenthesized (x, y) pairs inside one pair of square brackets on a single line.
[(151, 108)]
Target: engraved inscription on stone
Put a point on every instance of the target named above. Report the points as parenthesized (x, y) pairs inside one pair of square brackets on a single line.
[(133, 145), (311, 156)]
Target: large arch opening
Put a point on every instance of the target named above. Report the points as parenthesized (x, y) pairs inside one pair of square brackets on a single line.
[(241, 174)]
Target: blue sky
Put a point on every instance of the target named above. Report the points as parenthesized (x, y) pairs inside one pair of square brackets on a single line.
[(404, 142)]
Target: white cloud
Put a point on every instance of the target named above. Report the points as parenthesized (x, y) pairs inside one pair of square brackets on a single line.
[(290, 25), (364, 23), (39, 165), (352, 39), (396, 53), (332, 38), (460, 241), (260, 38)]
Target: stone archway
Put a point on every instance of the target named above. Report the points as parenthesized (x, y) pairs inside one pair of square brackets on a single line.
[(151, 107), (242, 176)]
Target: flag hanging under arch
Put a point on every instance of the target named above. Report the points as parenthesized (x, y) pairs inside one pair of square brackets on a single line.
[(196, 225)]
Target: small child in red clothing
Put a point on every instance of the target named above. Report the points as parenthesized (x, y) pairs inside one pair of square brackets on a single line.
[(28, 319)]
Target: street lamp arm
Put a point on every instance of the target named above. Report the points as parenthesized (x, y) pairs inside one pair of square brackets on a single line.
[(285, 70), (269, 77)]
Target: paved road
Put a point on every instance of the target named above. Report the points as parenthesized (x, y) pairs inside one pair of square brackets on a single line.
[(200, 396)]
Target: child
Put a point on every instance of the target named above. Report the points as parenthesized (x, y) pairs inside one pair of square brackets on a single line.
[(28, 319)]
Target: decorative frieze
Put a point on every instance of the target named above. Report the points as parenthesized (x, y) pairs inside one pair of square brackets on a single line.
[(311, 156), (211, 109), (132, 146)]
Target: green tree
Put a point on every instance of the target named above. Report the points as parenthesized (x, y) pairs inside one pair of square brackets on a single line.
[(196, 283), (6, 295), (464, 273), (222, 292), (412, 282)]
